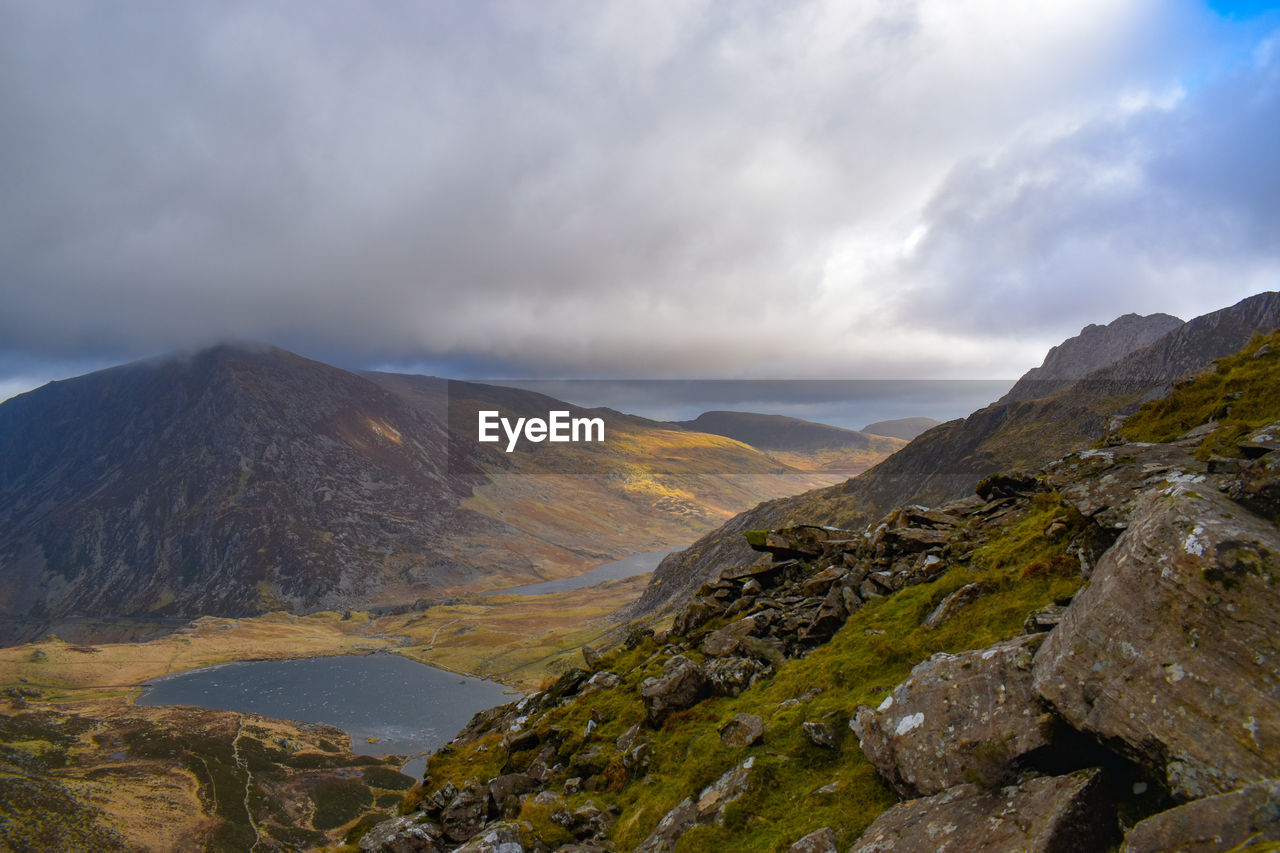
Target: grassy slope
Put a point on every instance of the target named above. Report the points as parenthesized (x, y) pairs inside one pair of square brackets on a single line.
[(1241, 393), (872, 653)]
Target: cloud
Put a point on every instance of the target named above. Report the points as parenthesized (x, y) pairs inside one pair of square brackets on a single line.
[(576, 188), (1171, 204)]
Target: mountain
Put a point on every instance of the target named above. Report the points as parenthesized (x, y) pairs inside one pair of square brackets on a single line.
[(1095, 347), (949, 460), (1080, 657), (802, 444), (904, 428), (238, 480)]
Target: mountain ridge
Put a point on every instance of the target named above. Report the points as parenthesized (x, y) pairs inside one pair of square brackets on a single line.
[(948, 460)]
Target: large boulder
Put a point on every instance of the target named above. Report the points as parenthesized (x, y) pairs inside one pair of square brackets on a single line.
[(1170, 654), (957, 718), (1051, 814), (1213, 824), (682, 685)]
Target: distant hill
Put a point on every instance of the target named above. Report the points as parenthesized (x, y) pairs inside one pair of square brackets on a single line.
[(948, 460), (239, 480), (801, 444), (904, 428)]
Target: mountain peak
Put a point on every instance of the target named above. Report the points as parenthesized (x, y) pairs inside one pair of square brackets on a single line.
[(1095, 347)]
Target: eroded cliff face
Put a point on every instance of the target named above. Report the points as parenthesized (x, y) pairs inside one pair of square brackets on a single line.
[(1068, 659)]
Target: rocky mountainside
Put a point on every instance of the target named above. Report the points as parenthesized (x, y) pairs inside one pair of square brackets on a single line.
[(1077, 658), (904, 428), (239, 480), (1095, 347), (948, 460)]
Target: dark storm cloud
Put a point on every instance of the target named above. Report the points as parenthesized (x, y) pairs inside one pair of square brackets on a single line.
[(577, 188)]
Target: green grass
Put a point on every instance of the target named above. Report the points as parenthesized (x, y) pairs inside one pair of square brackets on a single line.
[(1241, 393)]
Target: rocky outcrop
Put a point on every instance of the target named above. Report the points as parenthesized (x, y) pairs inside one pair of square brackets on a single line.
[(1218, 824), (1170, 652), (960, 718), (1095, 347), (1056, 814)]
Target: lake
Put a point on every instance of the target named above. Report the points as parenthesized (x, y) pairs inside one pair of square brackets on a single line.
[(408, 706), (636, 564)]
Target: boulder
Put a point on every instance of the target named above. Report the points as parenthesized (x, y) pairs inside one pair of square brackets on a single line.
[(819, 734), (952, 604), (960, 718), (821, 582), (1257, 486), (413, 833), (510, 785), (819, 841), (496, 838), (1104, 484), (1260, 441), (1051, 814), (742, 730), (1213, 824), (730, 676), (1170, 653), (682, 685), (801, 541), (465, 816)]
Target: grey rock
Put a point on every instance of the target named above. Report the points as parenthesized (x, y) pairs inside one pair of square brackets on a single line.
[(682, 685), (1051, 814), (1104, 484), (1257, 486), (1045, 619), (819, 841), (1213, 824), (464, 817), (953, 603), (742, 730), (501, 837), (819, 734), (957, 718), (1260, 441), (708, 808), (731, 676), (412, 833), (1170, 653), (509, 785)]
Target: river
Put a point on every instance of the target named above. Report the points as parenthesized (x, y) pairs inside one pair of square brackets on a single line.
[(636, 564)]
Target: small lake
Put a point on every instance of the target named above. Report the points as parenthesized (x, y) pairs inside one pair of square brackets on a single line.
[(636, 564), (408, 706)]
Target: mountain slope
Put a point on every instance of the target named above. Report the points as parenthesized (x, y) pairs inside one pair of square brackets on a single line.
[(948, 460), (239, 480), (942, 673)]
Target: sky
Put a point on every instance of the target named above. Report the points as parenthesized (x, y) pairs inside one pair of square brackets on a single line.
[(817, 189)]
